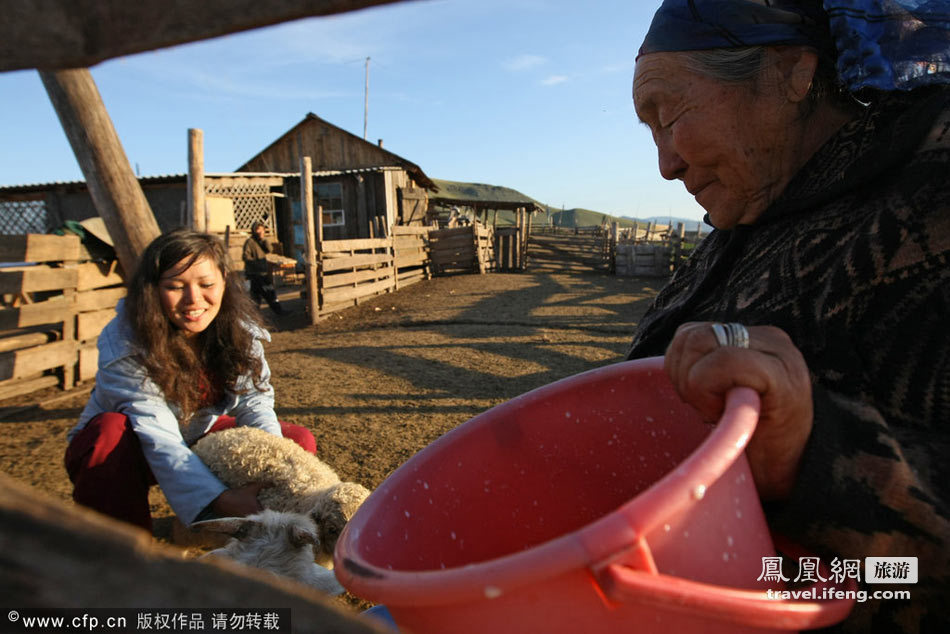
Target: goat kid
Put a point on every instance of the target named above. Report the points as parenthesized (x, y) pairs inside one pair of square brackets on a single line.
[(280, 542)]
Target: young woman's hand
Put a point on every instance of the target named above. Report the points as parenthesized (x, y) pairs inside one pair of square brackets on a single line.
[(238, 502), (702, 372)]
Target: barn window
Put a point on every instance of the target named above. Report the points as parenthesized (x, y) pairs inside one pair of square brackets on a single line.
[(330, 197)]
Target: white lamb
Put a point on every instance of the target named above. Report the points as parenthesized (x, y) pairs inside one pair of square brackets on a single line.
[(295, 480), (281, 543)]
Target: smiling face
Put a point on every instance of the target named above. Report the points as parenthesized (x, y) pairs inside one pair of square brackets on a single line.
[(734, 146), (191, 297)]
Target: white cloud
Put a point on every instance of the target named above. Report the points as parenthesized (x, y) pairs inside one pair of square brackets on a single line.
[(554, 80), (523, 62)]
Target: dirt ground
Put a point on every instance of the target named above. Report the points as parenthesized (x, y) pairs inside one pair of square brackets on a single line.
[(378, 382)]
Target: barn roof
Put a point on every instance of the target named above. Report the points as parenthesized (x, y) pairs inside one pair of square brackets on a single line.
[(388, 158)]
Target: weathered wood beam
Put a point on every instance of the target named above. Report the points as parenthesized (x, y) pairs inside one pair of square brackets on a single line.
[(311, 246), (54, 34), (197, 213), (114, 189), (63, 556)]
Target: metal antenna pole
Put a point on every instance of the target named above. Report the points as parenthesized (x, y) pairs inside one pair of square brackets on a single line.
[(366, 101)]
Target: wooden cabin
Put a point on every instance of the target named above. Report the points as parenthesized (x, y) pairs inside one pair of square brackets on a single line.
[(362, 188)]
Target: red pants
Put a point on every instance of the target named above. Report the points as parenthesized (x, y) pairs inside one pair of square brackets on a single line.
[(110, 474)]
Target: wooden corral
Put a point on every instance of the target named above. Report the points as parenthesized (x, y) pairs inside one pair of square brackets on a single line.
[(576, 249), (59, 556), (349, 271), (653, 251), (462, 249), (56, 301)]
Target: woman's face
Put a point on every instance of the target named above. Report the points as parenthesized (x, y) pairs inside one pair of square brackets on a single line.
[(732, 146), (191, 298)]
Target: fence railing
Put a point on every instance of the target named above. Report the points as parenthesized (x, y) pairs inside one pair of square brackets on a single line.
[(349, 271), (55, 301), (463, 249)]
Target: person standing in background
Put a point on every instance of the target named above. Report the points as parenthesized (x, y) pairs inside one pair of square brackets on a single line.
[(257, 269)]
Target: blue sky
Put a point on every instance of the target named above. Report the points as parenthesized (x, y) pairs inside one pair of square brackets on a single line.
[(528, 94)]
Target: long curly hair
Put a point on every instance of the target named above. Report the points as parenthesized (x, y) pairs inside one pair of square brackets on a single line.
[(186, 374)]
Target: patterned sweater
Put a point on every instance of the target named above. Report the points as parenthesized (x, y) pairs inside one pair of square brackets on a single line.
[(853, 262)]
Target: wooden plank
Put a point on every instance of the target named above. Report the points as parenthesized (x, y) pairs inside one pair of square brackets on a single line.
[(98, 299), (53, 310), (349, 293), (440, 234), (61, 555), (453, 242), (355, 261), (403, 242), (9, 389), (37, 247), (355, 277), (453, 254), (26, 340), (89, 325), (356, 244), (88, 362), (410, 260), (36, 278), (97, 275), (404, 230), (28, 361)]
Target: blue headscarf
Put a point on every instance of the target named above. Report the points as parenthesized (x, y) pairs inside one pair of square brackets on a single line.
[(883, 44)]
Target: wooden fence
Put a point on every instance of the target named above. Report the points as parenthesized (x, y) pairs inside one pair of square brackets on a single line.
[(462, 249), (55, 302), (652, 251), (349, 271)]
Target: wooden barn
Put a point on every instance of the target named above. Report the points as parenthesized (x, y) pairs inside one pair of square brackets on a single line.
[(362, 188)]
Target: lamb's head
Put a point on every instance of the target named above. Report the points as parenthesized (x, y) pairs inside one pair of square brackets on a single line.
[(279, 542), (331, 510)]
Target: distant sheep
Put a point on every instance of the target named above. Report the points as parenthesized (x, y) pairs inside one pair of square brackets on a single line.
[(295, 480), (281, 543)]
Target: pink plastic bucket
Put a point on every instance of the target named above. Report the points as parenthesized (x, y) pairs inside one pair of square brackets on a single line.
[(599, 503)]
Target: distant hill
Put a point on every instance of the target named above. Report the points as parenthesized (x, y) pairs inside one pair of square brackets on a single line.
[(579, 217)]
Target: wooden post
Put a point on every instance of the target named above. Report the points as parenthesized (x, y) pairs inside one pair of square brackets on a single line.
[(115, 191), (527, 237), (197, 213), (306, 199), (519, 237)]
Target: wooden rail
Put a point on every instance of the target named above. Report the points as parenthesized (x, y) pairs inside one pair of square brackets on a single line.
[(55, 302)]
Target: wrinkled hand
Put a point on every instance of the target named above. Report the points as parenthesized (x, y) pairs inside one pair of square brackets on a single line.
[(702, 372), (238, 502)]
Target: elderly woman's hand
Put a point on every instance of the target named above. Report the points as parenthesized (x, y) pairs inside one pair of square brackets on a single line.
[(702, 372)]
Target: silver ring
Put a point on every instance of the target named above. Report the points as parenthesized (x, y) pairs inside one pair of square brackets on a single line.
[(738, 335), (732, 334), (722, 338)]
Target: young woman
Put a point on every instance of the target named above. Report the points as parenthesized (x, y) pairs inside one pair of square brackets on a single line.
[(183, 351)]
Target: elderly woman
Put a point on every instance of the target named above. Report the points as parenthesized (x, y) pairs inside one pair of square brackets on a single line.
[(831, 260)]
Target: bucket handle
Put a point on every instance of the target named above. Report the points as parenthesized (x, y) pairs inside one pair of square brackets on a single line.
[(753, 608)]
